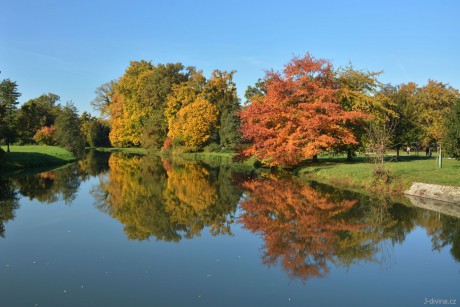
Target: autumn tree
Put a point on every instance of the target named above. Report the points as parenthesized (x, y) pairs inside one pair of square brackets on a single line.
[(222, 106), (8, 105), (117, 136), (434, 102), (299, 116), (193, 124), (138, 103), (126, 110), (46, 135), (184, 93)]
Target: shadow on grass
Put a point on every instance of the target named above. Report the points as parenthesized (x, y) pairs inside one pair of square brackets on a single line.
[(29, 160), (408, 158), (359, 160)]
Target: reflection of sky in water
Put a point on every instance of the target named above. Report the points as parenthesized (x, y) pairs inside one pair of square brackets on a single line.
[(76, 255)]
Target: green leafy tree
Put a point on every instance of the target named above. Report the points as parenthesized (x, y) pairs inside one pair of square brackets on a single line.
[(95, 130), (229, 132), (68, 130), (220, 90), (357, 92), (406, 130), (36, 114), (258, 90), (452, 138), (8, 105)]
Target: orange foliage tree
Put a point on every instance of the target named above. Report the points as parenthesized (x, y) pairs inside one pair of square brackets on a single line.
[(299, 116), (46, 135)]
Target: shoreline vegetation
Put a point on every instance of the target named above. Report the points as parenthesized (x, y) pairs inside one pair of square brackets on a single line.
[(330, 169), (357, 175)]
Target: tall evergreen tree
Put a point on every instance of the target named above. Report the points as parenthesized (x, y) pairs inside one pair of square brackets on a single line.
[(8, 105)]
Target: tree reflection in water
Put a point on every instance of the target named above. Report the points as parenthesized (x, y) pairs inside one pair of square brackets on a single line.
[(170, 201), (8, 202), (305, 227), (308, 227), (50, 187), (300, 225)]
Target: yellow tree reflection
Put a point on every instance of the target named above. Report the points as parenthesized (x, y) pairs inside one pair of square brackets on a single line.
[(167, 200)]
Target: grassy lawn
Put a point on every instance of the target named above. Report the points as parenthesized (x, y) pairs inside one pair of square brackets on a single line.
[(34, 156), (403, 173)]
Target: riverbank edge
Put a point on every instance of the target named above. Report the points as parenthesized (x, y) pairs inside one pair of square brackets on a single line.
[(395, 188), (35, 158), (435, 191), (365, 184)]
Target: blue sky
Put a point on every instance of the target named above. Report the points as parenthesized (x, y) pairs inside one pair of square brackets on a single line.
[(71, 47)]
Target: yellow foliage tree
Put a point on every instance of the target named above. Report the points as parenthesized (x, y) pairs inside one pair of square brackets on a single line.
[(193, 124), (435, 101), (137, 107)]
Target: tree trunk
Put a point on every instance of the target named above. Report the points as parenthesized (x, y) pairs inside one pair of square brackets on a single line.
[(397, 153), (7, 146), (349, 155), (315, 158)]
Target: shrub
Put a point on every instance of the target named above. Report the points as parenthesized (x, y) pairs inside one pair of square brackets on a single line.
[(213, 147), (46, 136)]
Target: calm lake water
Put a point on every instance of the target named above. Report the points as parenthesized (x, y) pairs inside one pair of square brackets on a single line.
[(126, 230)]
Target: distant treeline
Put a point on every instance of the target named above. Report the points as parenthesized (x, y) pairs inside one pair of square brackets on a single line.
[(286, 118)]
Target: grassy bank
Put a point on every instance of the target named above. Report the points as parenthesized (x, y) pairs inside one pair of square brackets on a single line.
[(335, 170), (219, 158), (359, 175), (135, 150), (35, 156)]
